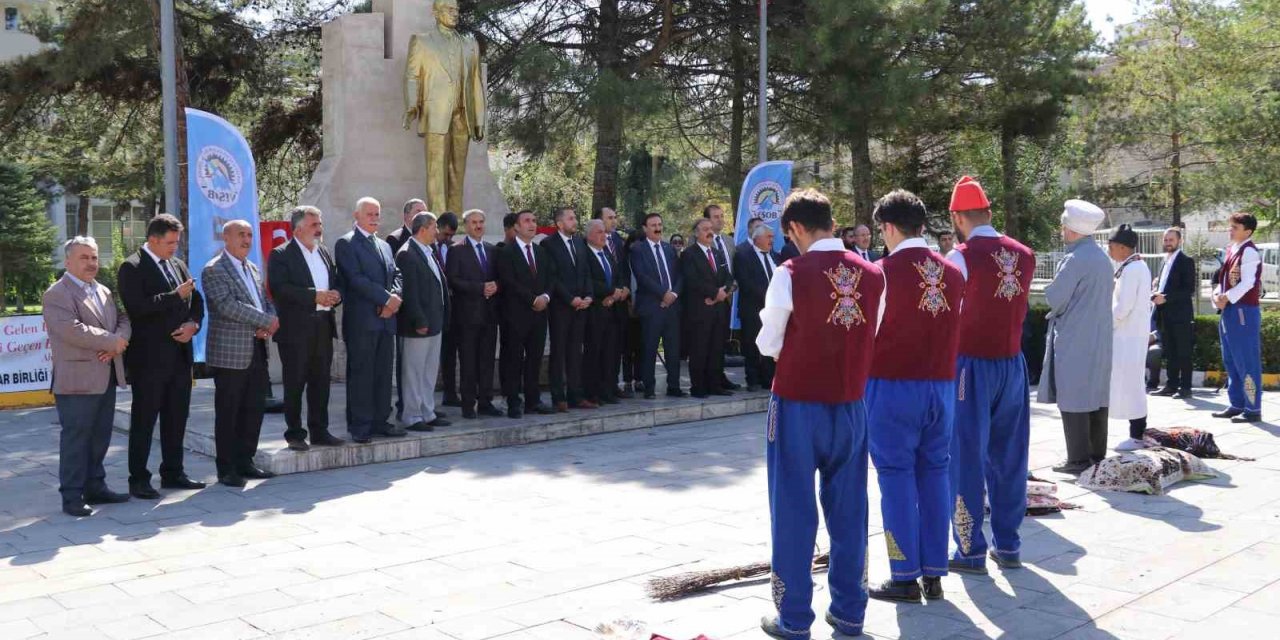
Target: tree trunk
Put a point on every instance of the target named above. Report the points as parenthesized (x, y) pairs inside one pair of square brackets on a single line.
[(860, 153), (1009, 181), (1175, 179), (733, 169), (82, 220), (609, 114), (183, 93)]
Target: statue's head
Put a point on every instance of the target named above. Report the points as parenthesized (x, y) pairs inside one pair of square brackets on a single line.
[(446, 12)]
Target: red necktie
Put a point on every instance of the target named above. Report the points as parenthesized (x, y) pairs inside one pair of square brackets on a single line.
[(711, 261), (528, 252)]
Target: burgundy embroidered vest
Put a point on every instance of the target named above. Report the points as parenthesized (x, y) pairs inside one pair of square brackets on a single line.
[(1236, 260), (920, 332), (827, 347), (995, 296)]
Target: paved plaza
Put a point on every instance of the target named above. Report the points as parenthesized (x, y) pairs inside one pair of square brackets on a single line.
[(555, 541)]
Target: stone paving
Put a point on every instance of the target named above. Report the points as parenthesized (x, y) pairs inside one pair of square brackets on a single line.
[(554, 541)]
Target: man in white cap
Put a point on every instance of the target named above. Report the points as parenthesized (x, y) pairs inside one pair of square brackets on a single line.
[(1077, 361)]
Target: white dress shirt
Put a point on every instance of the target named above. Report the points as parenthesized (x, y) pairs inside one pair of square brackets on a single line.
[(1248, 273), (241, 267), (778, 304), (956, 258), (568, 246), (91, 291), (910, 243), (319, 270), (1168, 266)]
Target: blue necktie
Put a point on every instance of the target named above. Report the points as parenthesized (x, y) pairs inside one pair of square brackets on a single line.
[(608, 272), (484, 262), (662, 267)]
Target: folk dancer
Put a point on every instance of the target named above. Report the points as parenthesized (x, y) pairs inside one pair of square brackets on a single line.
[(992, 430), (1240, 325), (819, 315), (911, 399)]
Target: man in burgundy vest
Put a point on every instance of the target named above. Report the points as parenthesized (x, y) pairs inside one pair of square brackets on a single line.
[(1240, 327), (991, 435), (911, 399), (818, 322)]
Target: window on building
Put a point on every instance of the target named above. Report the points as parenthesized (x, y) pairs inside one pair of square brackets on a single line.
[(10, 19), (101, 226), (73, 218), (135, 227)]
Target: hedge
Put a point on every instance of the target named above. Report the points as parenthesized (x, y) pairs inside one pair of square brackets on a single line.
[(1208, 352)]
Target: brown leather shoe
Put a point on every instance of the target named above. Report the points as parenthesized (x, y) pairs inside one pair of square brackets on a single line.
[(585, 404), (562, 407)]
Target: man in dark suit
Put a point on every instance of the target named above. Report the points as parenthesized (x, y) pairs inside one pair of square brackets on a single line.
[(371, 288), (862, 243), (446, 228), (525, 272), (753, 266), (473, 278), (789, 250), (420, 323), (1175, 291), (617, 248), (605, 318), (304, 286), (567, 318), (658, 288), (751, 228), (166, 310), (707, 284), (241, 320), (395, 240), (722, 243)]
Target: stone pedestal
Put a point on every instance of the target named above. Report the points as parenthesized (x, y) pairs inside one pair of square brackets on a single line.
[(367, 151)]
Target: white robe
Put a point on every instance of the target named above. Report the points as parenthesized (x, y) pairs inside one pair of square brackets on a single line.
[(1131, 314)]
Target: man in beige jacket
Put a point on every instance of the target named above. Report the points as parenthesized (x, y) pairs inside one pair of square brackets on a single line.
[(87, 336)]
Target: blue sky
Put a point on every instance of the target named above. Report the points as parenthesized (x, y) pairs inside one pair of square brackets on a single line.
[(1121, 11)]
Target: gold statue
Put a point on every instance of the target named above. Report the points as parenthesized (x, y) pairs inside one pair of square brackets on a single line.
[(444, 92)]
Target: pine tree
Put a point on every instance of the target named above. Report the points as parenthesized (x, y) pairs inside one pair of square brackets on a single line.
[(26, 236)]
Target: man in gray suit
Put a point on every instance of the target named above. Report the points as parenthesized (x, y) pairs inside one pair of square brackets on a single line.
[(420, 323), (87, 335), (241, 320)]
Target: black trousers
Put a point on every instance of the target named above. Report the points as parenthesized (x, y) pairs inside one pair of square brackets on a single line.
[(600, 356), (238, 401), (632, 346), (522, 346), (305, 368), (706, 349), (448, 365), (1177, 341), (568, 329), (476, 351), (369, 362), (664, 326), (163, 392), (759, 369), (1086, 435), (83, 442)]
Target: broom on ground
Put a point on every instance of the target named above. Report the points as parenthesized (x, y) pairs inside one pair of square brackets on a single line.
[(686, 584)]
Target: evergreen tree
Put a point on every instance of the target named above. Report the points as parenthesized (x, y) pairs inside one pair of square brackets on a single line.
[(26, 236)]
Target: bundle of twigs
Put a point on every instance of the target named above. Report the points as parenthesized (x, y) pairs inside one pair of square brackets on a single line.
[(686, 584)]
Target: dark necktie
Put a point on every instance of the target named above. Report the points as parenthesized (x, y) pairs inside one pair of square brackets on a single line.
[(608, 271), (662, 266), (528, 254), (484, 262), (711, 261), (768, 271), (568, 245), (168, 274), (609, 239)]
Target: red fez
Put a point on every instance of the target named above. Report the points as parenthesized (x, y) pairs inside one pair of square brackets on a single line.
[(969, 196)]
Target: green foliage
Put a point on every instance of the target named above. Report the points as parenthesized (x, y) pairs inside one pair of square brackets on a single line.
[(1208, 347), (26, 237)]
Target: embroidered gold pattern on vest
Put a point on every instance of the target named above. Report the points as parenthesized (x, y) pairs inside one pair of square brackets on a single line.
[(846, 312), (933, 300), (1009, 287)]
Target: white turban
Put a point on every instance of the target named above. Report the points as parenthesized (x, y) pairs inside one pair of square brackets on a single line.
[(1082, 217)]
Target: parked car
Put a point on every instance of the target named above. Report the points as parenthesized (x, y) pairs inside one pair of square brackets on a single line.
[(1270, 267), (1209, 265)]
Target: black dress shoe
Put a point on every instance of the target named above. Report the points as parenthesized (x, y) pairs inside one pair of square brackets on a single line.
[(1073, 468), (76, 508), (390, 431), (326, 440), (441, 414), (752, 388), (1165, 392), (256, 472), (299, 445), (231, 480), (932, 587), (649, 395), (1228, 413), (897, 591), (469, 414), (676, 393), (1184, 394), (540, 409), (843, 628), (722, 392), (609, 400), (143, 490), (420, 427), (960, 566), (1246, 418), (772, 627), (489, 410), (626, 394), (181, 482), (1003, 562), (451, 402), (699, 395), (439, 422), (106, 496), (732, 386), (515, 412), (365, 440)]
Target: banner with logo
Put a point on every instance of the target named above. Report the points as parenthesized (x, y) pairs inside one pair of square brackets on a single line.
[(763, 193), (222, 185), (26, 361)]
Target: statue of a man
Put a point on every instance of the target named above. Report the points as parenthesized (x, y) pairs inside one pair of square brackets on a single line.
[(444, 92)]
